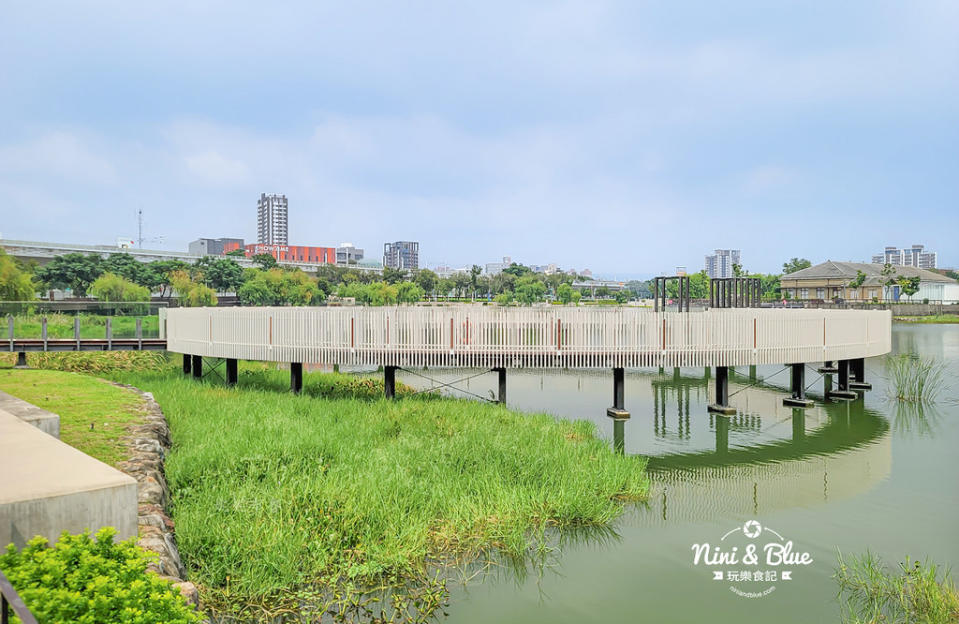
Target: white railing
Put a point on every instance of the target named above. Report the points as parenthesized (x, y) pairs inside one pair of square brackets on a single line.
[(548, 337)]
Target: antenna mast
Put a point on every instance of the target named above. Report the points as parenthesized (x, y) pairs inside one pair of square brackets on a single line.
[(140, 227)]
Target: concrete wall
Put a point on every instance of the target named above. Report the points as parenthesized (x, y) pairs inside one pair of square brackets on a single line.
[(45, 421), (898, 309), (47, 487)]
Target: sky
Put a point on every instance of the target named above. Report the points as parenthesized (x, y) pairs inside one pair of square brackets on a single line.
[(625, 137)]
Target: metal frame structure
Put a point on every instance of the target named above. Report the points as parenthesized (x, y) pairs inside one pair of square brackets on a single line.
[(659, 288), (735, 292)]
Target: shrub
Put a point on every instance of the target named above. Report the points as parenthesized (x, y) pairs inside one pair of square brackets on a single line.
[(87, 581), (15, 284)]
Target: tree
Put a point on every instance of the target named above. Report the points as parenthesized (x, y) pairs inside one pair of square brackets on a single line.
[(114, 288), (393, 276), (126, 266), (517, 270), (503, 282), (191, 294), (738, 270), (504, 298), (156, 275), (564, 293), (475, 271), (74, 271), (220, 274), (795, 264), (461, 282), (908, 285), (859, 280), (237, 253), (426, 280), (15, 283), (529, 290), (622, 297), (408, 292), (264, 260), (444, 286), (278, 287)]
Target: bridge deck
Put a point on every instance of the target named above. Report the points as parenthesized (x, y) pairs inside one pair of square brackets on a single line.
[(548, 337), (85, 344)]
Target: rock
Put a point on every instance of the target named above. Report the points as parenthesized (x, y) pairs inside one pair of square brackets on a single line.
[(189, 592)]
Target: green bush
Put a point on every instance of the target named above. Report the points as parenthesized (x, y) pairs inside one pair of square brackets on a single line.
[(92, 581), (110, 287)]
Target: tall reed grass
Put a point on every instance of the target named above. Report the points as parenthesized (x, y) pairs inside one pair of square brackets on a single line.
[(274, 493), (871, 592), (913, 378)]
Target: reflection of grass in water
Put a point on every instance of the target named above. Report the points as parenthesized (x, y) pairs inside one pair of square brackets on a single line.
[(871, 592), (915, 418), (913, 378)]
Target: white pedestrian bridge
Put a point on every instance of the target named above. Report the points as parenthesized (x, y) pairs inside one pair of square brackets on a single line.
[(541, 337)]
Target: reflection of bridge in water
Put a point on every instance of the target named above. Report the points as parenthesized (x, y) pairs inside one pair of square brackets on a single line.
[(846, 450)]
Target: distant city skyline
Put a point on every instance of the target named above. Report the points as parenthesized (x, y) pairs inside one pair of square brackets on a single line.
[(624, 137)]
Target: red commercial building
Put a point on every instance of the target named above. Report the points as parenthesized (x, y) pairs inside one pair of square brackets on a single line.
[(289, 253)]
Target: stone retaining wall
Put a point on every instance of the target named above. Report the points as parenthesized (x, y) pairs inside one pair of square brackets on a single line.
[(148, 444)]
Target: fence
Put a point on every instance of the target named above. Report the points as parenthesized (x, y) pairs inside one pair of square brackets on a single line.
[(549, 337)]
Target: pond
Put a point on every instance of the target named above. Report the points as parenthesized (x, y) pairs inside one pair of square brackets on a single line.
[(841, 476)]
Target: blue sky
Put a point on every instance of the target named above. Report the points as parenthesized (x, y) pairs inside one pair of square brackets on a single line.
[(627, 137)]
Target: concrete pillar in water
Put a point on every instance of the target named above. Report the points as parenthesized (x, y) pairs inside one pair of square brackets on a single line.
[(231, 372), (857, 373), (21, 360), (187, 359), (389, 381), (843, 392), (721, 406), (296, 377), (197, 366), (618, 410), (501, 381), (798, 387)]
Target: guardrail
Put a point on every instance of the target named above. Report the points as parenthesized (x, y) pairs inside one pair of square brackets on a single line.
[(9, 598), (547, 337)]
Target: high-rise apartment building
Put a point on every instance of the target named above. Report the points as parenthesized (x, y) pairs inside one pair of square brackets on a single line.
[(401, 255), (272, 223), (719, 265), (914, 256)]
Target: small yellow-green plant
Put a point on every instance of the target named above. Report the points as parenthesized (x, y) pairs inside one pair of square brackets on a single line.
[(91, 581)]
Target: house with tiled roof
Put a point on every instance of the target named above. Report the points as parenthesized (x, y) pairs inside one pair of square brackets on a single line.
[(837, 280)]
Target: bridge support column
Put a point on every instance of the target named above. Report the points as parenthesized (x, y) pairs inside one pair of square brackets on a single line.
[(21, 360), (296, 377), (197, 366), (721, 406), (187, 358), (231, 372), (857, 370), (618, 410), (619, 435), (843, 392), (827, 368), (798, 387), (389, 381), (752, 372), (501, 378)]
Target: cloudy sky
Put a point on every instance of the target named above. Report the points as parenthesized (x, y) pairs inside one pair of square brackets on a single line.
[(627, 137)]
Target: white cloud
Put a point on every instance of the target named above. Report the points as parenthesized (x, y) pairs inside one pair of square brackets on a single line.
[(61, 155)]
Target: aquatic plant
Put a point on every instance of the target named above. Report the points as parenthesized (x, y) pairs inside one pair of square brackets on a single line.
[(871, 592), (280, 497), (913, 378)]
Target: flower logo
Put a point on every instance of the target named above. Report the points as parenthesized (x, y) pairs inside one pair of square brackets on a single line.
[(752, 529)]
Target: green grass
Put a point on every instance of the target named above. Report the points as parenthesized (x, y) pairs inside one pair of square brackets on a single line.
[(91, 326), (914, 379), (873, 593), (274, 492), (936, 318), (94, 414)]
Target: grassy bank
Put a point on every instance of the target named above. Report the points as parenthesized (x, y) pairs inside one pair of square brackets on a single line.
[(936, 318), (274, 493), (94, 414)]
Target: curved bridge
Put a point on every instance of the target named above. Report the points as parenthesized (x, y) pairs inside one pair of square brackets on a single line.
[(474, 336), (549, 337)]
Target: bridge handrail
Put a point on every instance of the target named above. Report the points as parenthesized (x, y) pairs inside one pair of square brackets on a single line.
[(9, 596), (470, 335)]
